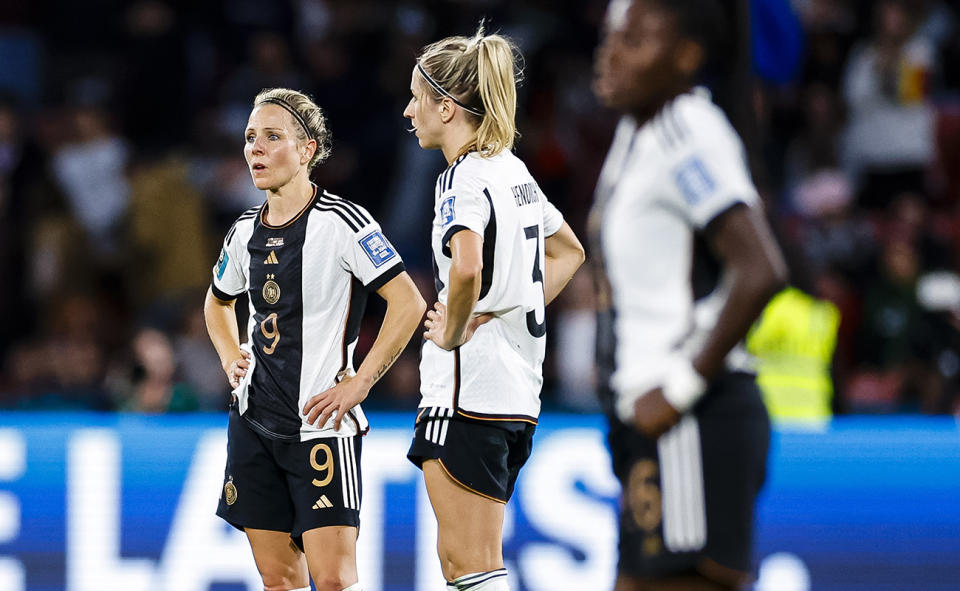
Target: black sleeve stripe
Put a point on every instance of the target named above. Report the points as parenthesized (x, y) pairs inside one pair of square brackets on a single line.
[(222, 295), (710, 227), (340, 205), (233, 230), (453, 170), (352, 206), (445, 241), (245, 216), (385, 277), (340, 214), (489, 249), (342, 208)]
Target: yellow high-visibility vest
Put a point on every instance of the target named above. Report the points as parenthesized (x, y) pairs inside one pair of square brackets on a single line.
[(794, 341)]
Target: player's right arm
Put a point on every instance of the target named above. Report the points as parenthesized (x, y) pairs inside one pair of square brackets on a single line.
[(222, 327), (228, 282), (449, 326)]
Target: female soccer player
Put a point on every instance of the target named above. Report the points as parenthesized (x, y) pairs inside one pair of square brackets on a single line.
[(688, 262), (501, 253), (307, 260)]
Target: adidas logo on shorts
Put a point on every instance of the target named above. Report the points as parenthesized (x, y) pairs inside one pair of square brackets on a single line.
[(323, 503)]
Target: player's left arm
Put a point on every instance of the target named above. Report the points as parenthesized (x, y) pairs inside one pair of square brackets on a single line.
[(755, 270), (563, 255), (405, 307)]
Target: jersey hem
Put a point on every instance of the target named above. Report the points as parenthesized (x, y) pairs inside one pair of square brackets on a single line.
[(485, 417)]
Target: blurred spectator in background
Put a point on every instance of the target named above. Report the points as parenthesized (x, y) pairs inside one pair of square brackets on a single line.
[(146, 382), (63, 367), (91, 171), (889, 334), (197, 361), (832, 233), (161, 198), (575, 327), (887, 84)]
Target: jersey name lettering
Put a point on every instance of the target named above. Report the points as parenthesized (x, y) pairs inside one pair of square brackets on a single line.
[(525, 194)]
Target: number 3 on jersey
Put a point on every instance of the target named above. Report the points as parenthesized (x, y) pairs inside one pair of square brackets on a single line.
[(537, 329)]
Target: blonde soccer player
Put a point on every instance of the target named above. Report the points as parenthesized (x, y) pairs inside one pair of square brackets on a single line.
[(307, 260), (501, 253)]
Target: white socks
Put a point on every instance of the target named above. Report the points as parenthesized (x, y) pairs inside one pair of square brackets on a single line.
[(494, 580)]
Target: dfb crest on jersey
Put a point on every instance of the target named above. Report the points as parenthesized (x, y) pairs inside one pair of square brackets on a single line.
[(271, 290), (221, 265), (446, 210), (694, 181), (378, 248)]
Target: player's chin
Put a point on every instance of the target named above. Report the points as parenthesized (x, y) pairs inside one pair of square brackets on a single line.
[(605, 92), (264, 183), (426, 143)]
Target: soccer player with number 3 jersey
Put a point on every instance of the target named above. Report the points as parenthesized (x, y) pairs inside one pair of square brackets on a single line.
[(501, 253), (307, 261)]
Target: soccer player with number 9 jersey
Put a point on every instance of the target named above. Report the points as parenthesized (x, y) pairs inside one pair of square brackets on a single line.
[(307, 261)]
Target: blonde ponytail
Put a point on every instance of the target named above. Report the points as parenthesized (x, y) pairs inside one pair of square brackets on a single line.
[(498, 92), (479, 73)]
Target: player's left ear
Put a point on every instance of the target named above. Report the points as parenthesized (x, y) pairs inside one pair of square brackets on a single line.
[(447, 110), (689, 57), (307, 151)]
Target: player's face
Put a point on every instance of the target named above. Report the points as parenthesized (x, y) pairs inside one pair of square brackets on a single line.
[(423, 113), (634, 67), (273, 153)]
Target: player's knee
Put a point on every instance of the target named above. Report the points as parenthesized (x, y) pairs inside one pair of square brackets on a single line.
[(278, 576), (456, 561), (333, 582)]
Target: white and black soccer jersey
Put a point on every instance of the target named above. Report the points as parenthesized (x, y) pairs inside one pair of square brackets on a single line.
[(660, 187), (497, 374), (307, 282)]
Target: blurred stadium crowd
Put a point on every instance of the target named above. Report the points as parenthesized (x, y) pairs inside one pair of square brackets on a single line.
[(121, 168)]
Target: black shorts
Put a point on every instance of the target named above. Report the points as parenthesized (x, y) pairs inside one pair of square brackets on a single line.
[(482, 456), (289, 486), (690, 494)]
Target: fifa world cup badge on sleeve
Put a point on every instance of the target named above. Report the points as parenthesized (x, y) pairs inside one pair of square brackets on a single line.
[(378, 248), (694, 181), (446, 210), (221, 265)]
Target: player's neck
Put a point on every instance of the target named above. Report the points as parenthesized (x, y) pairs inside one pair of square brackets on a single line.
[(645, 113), (458, 138), (284, 203)]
